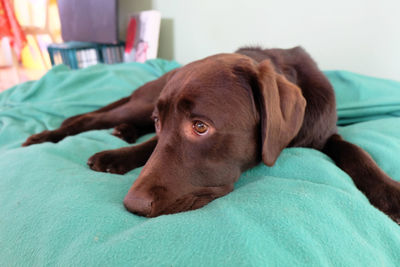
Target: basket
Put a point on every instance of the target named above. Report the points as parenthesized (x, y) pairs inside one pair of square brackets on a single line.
[(78, 55)]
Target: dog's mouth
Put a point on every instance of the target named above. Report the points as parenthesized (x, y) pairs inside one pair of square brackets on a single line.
[(162, 205)]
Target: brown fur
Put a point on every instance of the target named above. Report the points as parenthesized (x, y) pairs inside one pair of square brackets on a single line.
[(255, 102)]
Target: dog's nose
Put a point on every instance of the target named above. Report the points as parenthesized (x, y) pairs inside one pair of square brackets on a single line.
[(140, 204)]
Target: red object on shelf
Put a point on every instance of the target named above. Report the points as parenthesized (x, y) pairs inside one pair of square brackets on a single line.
[(131, 35), (9, 27)]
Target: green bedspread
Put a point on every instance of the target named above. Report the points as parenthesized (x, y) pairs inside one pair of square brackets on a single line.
[(304, 211)]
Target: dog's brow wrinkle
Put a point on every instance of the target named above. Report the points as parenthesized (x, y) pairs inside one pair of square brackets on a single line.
[(185, 104), (160, 105)]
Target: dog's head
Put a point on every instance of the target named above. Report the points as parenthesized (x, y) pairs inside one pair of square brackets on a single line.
[(214, 119)]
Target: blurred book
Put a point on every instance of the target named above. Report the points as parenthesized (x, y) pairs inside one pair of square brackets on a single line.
[(142, 36)]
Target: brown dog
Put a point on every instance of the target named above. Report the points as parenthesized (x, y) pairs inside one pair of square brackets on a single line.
[(218, 117)]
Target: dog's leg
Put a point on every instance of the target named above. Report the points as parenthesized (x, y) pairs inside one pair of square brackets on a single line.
[(380, 189), (123, 159), (134, 111), (103, 109), (112, 115)]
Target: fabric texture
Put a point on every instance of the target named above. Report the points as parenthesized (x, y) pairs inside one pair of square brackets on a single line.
[(304, 211)]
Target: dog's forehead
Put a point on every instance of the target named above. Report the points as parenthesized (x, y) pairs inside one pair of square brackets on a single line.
[(214, 73)]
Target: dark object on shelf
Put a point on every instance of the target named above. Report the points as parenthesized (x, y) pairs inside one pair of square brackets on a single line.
[(82, 54), (89, 20)]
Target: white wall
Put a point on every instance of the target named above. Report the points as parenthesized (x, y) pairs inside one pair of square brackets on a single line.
[(357, 35)]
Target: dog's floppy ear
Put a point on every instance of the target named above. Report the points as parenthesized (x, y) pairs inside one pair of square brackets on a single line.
[(282, 107)]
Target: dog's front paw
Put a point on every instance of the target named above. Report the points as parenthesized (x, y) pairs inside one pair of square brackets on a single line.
[(108, 161), (45, 136), (126, 132)]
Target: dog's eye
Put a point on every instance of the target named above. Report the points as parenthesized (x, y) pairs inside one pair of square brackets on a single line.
[(200, 127), (156, 123)]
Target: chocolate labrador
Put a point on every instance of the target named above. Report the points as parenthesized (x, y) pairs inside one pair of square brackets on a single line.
[(216, 118)]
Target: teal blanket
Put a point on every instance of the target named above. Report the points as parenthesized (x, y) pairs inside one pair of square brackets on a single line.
[(304, 211)]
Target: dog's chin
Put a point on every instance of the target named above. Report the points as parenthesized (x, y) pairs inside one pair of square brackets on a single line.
[(188, 202)]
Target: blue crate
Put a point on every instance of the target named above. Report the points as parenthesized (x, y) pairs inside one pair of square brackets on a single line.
[(82, 54)]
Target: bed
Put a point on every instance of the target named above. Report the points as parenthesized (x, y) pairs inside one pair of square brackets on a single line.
[(304, 211)]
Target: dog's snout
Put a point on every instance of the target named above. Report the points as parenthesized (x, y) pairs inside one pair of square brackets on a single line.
[(140, 204)]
